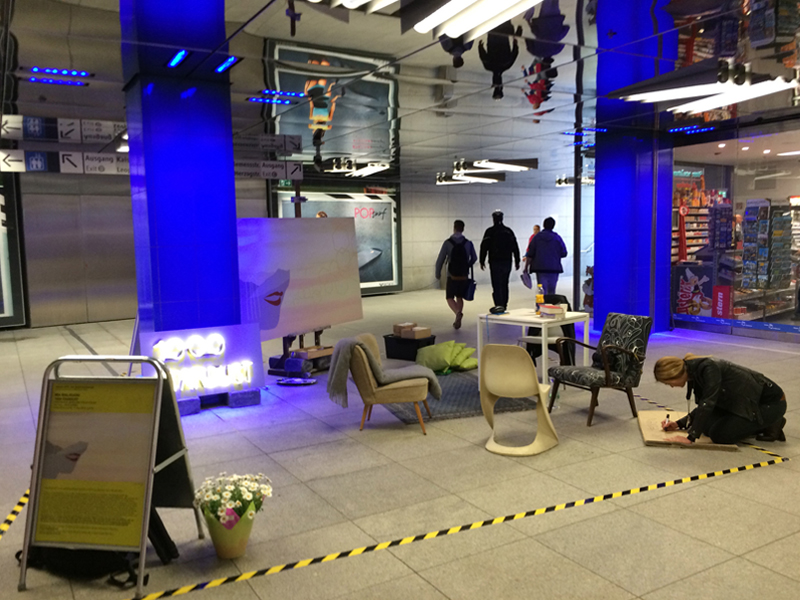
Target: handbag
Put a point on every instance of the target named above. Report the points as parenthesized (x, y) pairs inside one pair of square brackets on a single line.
[(469, 294), (526, 279)]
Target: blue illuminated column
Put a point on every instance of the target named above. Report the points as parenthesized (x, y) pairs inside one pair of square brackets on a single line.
[(630, 275), (181, 158)]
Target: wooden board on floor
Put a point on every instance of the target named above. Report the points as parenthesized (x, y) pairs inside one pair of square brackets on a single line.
[(653, 435)]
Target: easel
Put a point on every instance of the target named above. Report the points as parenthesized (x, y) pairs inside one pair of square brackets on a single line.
[(168, 481), (292, 362)]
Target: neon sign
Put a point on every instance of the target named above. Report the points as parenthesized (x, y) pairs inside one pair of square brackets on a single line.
[(197, 364)]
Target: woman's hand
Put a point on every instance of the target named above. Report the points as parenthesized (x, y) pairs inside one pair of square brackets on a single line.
[(669, 425), (679, 439)]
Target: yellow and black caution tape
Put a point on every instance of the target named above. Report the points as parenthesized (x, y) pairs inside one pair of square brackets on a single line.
[(14, 513), (457, 529)]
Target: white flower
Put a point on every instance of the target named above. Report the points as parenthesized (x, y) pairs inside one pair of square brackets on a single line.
[(229, 504), (230, 488), (226, 495), (215, 497), (251, 514), (238, 503), (248, 496), (221, 511)]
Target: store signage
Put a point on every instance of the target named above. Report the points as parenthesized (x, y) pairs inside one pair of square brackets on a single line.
[(685, 173), (268, 169), (209, 360)]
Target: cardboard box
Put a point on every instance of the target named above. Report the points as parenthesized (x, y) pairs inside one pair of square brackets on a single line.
[(416, 333), (398, 328)]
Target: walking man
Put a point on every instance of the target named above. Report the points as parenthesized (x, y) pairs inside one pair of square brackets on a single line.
[(500, 244), (460, 255), (544, 256)]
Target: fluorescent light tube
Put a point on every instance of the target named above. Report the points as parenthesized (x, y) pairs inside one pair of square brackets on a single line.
[(741, 94), (474, 179), (499, 166), (793, 153), (679, 93), (446, 12), (353, 4), (370, 169), (475, 15), (442, 179), (179, 57), (376, 5), (500, 18)]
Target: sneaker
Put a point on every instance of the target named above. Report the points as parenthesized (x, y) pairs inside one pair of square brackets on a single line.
[(497, 310), (457, 323)]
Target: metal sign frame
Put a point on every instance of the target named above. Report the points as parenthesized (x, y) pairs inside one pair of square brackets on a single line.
[(52, 375)]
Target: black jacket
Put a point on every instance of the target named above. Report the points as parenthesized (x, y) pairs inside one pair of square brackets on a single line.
[(717, 383), (545, 252), (500, 243)]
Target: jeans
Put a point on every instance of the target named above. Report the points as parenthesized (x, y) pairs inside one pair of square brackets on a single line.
[(500, 272), (548, 281), (726, 428)]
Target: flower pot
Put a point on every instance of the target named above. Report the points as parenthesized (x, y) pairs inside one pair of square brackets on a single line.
[(229, 542)]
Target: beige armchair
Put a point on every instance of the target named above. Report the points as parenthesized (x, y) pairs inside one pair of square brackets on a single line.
[(410, 390)]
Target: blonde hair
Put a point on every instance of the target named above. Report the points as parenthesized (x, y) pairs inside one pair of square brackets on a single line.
[(671, 367)]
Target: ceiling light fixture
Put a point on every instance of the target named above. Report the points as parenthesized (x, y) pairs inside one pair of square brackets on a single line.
[(477, 16), (720, 145), (500, 166), (227, 64), (691, 91), (70, 72), (746, 148), (442, 14), (123, 147), (490, 20), (376, 5), (269, 100), (280, 93), (179, 57), (370, 169), (739, 94), (767, 151), (51, 81), (488, 178), (444, 179), (793, 153)]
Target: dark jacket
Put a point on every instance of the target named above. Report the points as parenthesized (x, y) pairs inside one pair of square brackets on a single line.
[(500, 243), (717, 383), (447, 250), (500, 53), (545, 252)]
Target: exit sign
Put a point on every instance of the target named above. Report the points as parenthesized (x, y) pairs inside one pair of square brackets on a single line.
[(285, 183)]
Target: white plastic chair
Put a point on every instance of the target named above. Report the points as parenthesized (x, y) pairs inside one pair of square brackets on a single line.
[(508, 372)]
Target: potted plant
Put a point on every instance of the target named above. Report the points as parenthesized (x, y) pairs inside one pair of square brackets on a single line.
[(229, 504)]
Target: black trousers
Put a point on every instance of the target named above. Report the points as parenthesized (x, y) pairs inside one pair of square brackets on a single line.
[(500, 272), (724, 427)]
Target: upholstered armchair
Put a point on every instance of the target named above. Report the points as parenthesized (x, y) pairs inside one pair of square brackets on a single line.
[(616, 364)]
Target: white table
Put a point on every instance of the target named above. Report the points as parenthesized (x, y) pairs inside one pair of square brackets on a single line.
[(527, 317)]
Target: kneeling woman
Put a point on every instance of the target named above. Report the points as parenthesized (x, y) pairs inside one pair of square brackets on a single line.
[(733, 402)]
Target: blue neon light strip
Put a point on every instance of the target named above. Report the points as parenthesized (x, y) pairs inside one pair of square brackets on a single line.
[(70, 72), (687, 128), (741, 324), (575, 133), (179, 57), (598, 129), (280, 93), (227, 64), (269, 100), (57, 81)]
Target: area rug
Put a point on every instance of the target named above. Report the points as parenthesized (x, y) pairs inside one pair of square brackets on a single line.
[(460, 398)]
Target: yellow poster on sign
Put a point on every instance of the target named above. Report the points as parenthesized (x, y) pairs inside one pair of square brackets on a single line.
[(96, 463)]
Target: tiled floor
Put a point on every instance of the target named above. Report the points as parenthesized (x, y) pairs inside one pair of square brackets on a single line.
[(336, 488)]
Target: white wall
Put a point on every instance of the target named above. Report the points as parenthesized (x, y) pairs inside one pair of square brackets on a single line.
[(428, 212)]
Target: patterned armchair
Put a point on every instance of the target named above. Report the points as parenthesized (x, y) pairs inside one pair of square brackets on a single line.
[(616, 364)]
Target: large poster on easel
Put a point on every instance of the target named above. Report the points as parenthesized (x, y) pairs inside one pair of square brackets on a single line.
[(95, 463)]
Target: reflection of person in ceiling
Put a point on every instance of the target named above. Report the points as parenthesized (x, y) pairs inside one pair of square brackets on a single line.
[(547, 29), (499, 54), (323, 102), (455, 47)]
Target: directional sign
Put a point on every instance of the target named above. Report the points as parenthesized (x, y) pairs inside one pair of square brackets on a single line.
[(12, 161), (11, 127), (100, 131), (69, 130), (70, 162), (294, 171), (292, 144), (273, 169), (95, 163)]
